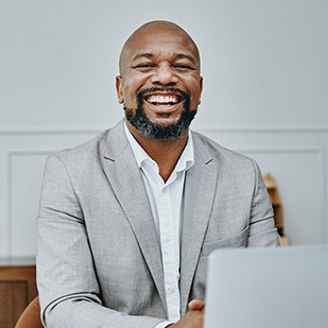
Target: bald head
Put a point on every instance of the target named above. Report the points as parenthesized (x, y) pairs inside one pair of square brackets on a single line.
[(151, 30)]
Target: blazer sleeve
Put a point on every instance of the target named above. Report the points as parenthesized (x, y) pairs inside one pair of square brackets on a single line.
[(66, 276), (262, 231)]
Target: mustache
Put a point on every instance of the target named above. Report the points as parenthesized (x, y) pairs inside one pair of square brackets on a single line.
[(182, 93)]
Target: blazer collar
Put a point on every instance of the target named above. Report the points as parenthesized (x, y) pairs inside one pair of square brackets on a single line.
[(124, 176), (199, 192), (114, 142)]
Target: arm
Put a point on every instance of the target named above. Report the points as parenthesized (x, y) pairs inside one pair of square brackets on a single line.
[(67, 281), (262, 231)]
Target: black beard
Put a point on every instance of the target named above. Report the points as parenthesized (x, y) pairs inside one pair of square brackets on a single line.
[(140, 121)]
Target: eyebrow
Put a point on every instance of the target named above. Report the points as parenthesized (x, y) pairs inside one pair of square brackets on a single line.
[(150, 55), (147, 55), (181, 56)]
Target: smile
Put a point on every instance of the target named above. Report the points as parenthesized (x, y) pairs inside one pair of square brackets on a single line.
[(163, 101)]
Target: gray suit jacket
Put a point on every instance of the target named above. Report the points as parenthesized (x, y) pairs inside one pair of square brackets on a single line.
[(98, 259)]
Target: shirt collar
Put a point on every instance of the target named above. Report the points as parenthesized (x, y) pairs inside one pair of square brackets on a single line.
[(185, 161)]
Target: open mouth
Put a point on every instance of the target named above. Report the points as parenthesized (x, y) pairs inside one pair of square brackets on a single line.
[(163, 101)]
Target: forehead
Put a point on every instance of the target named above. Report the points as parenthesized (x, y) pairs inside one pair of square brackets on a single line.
[(161, 43)]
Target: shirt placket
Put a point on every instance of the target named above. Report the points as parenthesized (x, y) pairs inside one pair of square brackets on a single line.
[(168, 245)]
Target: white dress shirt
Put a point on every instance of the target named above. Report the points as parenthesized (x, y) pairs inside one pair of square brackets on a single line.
[(165, 200)]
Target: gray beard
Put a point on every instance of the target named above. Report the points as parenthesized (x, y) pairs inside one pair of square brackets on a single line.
[(139, 120)]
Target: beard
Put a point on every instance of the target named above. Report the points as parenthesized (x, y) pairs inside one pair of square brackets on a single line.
[(139, 120)]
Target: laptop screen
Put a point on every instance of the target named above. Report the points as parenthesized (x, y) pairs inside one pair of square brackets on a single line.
[(268, 288)]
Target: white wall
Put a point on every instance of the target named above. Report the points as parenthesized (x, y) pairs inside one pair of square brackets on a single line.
[(265, 93)]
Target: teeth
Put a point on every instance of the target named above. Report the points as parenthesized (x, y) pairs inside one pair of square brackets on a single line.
[(162, 99)]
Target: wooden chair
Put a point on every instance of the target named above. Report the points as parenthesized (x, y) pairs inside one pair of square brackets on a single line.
[(30, 318), (272, 189)]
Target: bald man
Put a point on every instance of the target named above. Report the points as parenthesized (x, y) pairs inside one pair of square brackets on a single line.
[(127, 221)]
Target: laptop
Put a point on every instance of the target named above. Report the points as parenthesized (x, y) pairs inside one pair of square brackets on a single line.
[(283, 287)]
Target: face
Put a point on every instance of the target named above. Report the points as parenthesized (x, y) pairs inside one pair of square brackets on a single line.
[(160, 83)]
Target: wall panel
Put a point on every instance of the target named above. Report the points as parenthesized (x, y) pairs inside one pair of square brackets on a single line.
[(22, 158), (296, 158)]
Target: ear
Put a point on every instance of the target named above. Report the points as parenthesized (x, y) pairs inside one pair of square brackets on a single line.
[(119, 89), (201, 89)]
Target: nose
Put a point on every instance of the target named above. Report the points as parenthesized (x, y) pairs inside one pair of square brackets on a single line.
[(164, 75)]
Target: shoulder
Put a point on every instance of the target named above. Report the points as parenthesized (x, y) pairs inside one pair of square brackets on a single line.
[(234, 168), (82, 152), (221, 154), (111, 140)]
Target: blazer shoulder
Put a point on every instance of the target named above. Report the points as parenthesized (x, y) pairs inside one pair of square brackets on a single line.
[(89, 149), (109, 141), (219, 152)]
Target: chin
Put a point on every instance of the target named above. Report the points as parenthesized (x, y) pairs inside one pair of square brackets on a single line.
[(160, 128)]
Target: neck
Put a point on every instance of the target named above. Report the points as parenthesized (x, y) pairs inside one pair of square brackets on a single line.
[(165, 153)]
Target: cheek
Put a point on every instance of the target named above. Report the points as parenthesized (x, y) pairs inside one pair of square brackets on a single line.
[(192, 83), (129, 96), (132, 88), (195, 93)]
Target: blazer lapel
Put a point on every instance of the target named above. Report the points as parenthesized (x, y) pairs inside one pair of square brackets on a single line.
[(124, 176), (200, 188)]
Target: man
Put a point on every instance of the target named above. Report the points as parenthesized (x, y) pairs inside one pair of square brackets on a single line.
[(127, 220)]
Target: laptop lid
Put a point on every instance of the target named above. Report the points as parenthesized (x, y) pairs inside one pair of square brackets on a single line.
[(268, 287)]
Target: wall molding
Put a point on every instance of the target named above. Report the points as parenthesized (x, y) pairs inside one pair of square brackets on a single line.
[(268, 129), (52, 131), (9, 155), (324, 161), (281, 150), (303, 150)]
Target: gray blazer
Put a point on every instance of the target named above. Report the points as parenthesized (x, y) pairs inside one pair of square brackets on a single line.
[(98, 256)]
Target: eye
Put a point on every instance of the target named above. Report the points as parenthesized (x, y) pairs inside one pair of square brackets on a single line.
[(183, 67), (144, 66)]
